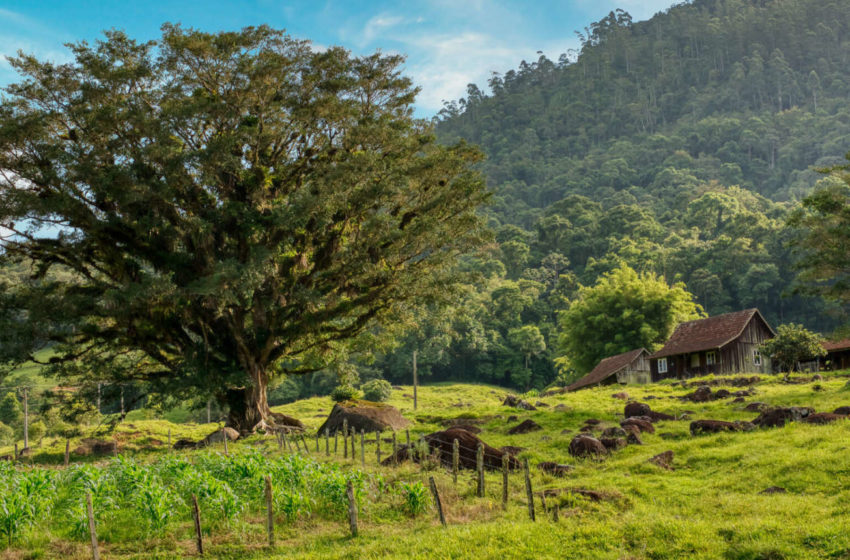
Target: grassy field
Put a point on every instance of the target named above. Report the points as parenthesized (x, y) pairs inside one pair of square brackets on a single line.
[(710, 506)]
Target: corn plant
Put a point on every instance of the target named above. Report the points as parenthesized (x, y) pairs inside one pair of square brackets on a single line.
[(415, 497)]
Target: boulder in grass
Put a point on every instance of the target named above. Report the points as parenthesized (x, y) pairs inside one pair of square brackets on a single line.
[(287, 424), (822, 418), (774, 490), (218, 437), (639, 423), (613, 444), (842, 410), (659, 416), (621, 396), (714, 427), (441, 444), (525, 427), (516, 402), (364, 416), (636, 409), (663, 460), (778, 417), (555, 469), (614, 432), (512, 450), (586, 446)]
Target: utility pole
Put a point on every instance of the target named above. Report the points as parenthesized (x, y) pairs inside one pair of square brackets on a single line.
[(98, 397), (26, 420), (122, 399), (415, 381), (209, 416)]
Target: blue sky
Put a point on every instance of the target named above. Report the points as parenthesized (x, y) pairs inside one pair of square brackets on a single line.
[(449, 43)]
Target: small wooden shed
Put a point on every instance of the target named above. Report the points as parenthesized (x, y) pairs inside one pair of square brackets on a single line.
[(723, 344), (837, 354), (628, 367)]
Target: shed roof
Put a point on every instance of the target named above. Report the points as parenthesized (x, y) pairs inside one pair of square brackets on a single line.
[(708, 334), (606, 368), (833, 345)]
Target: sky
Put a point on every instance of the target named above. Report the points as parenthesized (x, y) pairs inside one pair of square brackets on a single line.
[(448, 43)]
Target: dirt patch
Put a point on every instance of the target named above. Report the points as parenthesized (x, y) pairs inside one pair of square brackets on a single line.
[(586, 446), (525, 427), (364, 416), (516, 402), (756, 407)]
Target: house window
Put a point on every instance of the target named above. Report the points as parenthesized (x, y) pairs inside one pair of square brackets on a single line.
[(662, 365), (710, 358), (756, 358)]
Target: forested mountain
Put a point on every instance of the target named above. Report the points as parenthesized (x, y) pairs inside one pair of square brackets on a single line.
[(676, 145)]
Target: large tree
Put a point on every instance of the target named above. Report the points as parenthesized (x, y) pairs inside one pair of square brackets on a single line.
[(624, 311), (224, 208)]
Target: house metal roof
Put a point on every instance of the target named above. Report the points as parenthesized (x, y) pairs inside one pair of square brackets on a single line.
[(833, 345), (606, 368), (708, 334)]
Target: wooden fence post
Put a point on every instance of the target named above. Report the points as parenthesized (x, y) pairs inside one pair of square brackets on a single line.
[(352, 509), (336, 440), (224, 437), (67, 452), (269, 510), (395, 450), (196, 515), (455, 459), (345, 439), (279, 437), (285, 441), (506, 459), (378, 447), (353, 442), (15, 456), (529, 494), (407, 435), (169, 438), (327, 443), (555, 513), (437, 500), (479, 463), (363, 447), (95, 553), (317, 441), (543, 503)]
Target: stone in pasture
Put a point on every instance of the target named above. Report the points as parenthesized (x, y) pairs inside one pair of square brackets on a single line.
[(216, 437), (614, 432), (542, 404), (713, 427), (555, 469), (702, 394), (663, 460), (512, 418), (822, 418), (659, 416), (774, 490), (441, 443), (636, 409), (525, 427), (634, 438), (778, 417), (184, 443), (613, 444), (287, 424), (756, 407), (592, 422), (586, 446), (621, 396), (842, 410), (512, 450), (639, 423), (364, 416), (586, 429), (516, 402)]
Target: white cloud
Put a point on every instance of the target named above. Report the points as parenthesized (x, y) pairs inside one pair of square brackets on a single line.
[(377, 25)]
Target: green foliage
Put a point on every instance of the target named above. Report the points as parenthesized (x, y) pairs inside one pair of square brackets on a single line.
[(624, 311), (11, 412), (37, 430), (7, 434), (416, 497), (792, 344), (344, 393), (377, 390), (272, 207)]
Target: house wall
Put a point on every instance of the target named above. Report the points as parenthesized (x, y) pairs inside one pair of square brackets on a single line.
[(636, 372)]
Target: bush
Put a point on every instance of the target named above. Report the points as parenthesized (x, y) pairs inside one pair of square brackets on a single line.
[(37, 430), (7, 434), (344, 393), (377, 390)]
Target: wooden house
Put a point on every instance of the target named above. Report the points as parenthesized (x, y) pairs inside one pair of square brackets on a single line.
[(723, 344), (629, 367), (837, 355)]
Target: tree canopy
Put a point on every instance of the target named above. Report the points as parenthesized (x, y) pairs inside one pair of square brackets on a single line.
[(792, 344), (623, 311), (223, 208)]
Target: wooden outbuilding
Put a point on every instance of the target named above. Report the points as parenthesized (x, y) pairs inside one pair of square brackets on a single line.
[(723, 344), (628, 367), (837, 355)]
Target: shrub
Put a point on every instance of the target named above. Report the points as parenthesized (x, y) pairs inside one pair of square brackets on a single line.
[(37, 430), (11, 412), (377, 390), (7, 434), (344, 393)]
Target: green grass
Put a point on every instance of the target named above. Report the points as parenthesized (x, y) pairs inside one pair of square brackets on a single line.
[(710, 506)]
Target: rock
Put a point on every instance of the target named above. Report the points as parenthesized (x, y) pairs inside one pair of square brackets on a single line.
[(842, 410), (774, 490), (684, 417), (441, 444), (364, 416), (817, 377), (541, 403), (512, 450), (525, 427), (561, 407), (586, 429), (566, 432), (668, 435), (184, 443), (592, 422), (702, 394), (739, 400), (287, 424), (621, 396), (636, 409), (555, 469), (659, 416), (721, 394), (663, 460), (778, 417), (217, 437), (713, 427), (587, 446), (25, 452), (817, 387), (516, 402), (613, 444), (639, 423), (822, 418), (512, 418), (614, 432), (634, 438), (756, 407)]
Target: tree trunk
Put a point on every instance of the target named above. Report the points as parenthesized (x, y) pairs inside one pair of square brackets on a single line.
[(249, 406)]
